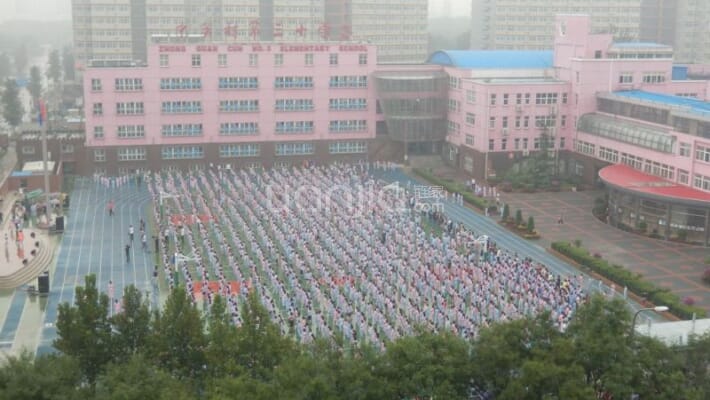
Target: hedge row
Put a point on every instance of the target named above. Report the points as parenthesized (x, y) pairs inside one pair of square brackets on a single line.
[(453, 187), (635, 282)]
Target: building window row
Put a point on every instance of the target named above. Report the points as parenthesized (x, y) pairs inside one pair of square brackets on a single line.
[(180, 84), (348, 81), (238, 82), (701, 182), (545, 121), (453, 128), (608, 154), (130, 154), (293, 82), (129, 108), (294, 149), (347, 104), (702, 153), (521, 98), (181, 107), (294, 105), (355, 147), (181, 130), (350, 125), (239, 150), (187, 152), (289, 127), (98, 132), (130, 131), (655, 77), (128, 84), (546, 98), (239, 105), (585, 148), (238, 128)]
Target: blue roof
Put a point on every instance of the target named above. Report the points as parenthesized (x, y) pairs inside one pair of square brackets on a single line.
[(490, 59), (639, 44), (687, 103)]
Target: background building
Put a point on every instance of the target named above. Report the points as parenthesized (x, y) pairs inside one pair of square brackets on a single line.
[(121, 29), (528, 25), (683, 24)]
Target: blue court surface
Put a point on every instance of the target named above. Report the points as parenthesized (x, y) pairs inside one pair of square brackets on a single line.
[(94, 243)]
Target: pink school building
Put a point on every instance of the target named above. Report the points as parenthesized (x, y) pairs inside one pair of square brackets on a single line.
[(593, 102)]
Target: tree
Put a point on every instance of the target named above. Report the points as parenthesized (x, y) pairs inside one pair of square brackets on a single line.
[(5, 65), (132, 326), (84, 329), (531, 224), (54, 71), (43, 378), (35, 85), (518, 217), (12, 108), (506, 213), (221, 349), (20, 57), (68, 63)]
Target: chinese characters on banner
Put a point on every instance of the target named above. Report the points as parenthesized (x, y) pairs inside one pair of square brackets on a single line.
[(230, 31)]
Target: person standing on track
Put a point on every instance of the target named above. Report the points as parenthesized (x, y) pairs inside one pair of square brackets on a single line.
[(144, 242), (128, 253), (130, 233), (110, 208)]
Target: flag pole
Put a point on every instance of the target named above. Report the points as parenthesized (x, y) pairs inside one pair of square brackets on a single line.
[(43, 125)]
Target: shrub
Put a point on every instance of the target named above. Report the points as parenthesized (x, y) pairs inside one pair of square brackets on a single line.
[(531, 224), (643, 226), (688, 301), (682, 235), (506, 213), (518, 217), (634, 282), (577, 243)]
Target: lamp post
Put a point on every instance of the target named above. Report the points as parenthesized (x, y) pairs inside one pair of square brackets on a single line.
[(655, 309)]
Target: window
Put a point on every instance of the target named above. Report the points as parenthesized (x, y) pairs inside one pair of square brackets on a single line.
[(597, 54), (222, 60), (180, 130), (333, 59), (516, 144), (608, 154), (362, 59), (527, 98), (471, 97), (294, 149), (702, 153), (98, 132), (129, 108), (181, 107), (180, 84), (95, 85), (505, 99), (525, 143), (99, 155), (188, 152), (164, 60), (293, 82), (564, 98), (294, 105), (356, 147), (308, 58), (348, 81), (131, 154), (67, 148), (128, 84), (196, 60), (28, 149), (491, 122), (683, 176), (526, 122), (469, 140), (563, 121), (238, 105), (562, 142), (454, 105), (684, 149), (130, 131), (491, 144), (239, 150), (278, 60), (470, 118), (701, 182), (626, 77), (239, 82), (544, 121), (504, 123), (253, 60), (351, 125), (585, 148), (536, 143), (492, 100), (518, 122), (503, 143), (346, 104), (519, 98), (239, 128), (291, 127), (654, 77), (546, 98), (453, 128), (98, 109)]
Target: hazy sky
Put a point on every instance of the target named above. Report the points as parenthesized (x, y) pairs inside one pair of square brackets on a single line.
[(61, 9)]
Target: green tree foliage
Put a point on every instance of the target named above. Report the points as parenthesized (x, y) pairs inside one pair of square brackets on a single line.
[(50, 377), (54, 70), (518, 217), (84, 329), (531, 224), (138, 379), (506, 213), (35, 84), (12, 108), (131, 326), (68, 63)]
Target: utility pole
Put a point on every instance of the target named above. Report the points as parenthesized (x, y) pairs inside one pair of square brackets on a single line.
[(45, 171)]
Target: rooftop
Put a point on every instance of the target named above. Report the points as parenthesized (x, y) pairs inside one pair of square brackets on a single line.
[(625, 177), (686, 104), (492, 59)]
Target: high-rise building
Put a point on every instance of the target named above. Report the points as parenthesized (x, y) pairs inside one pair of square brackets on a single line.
[(121, 29), (683, 24), (529, 24)]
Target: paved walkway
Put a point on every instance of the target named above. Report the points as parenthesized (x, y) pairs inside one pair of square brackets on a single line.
[(676, 266)]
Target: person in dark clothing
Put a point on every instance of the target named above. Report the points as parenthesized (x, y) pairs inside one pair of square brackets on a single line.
[(156, 241), (128, 253)]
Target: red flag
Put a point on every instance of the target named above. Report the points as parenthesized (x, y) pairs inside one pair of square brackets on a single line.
[(42, 112)]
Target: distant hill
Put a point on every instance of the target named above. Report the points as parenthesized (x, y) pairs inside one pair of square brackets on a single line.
[(450, 33)]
